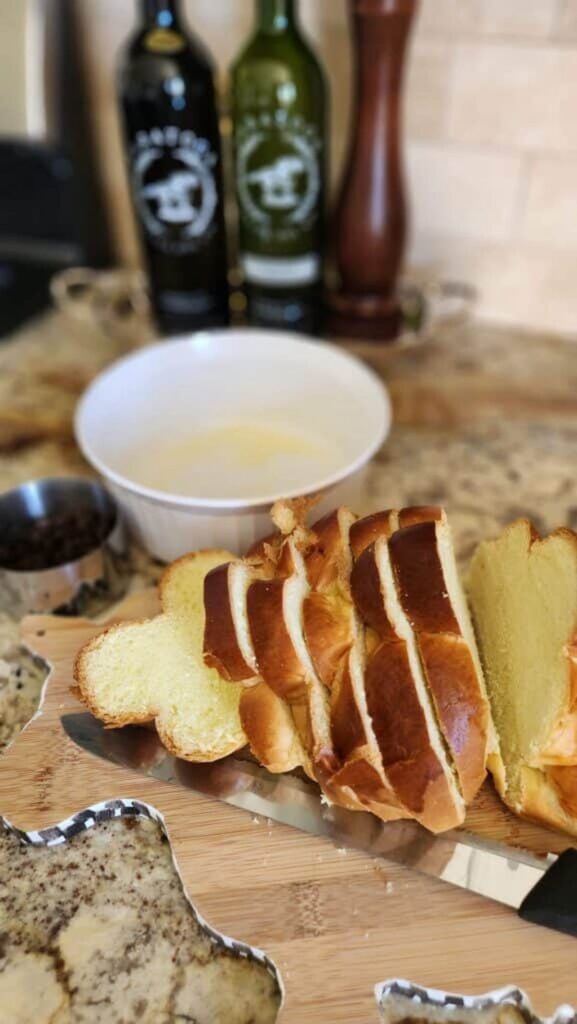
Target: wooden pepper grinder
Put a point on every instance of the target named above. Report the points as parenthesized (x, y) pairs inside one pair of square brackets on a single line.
[(369, 229)]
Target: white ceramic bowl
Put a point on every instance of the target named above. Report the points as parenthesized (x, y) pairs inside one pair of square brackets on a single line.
[(134, 416)]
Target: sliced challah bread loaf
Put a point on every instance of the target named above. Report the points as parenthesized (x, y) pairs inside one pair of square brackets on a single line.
[(523, 594), (153, 671), (351, 767), (350, 689)]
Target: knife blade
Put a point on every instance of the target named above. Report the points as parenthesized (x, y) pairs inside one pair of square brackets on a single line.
[(542, 889)]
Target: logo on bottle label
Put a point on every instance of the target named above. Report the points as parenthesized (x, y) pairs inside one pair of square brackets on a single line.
[(164, 40), (175, 188), (278, 175)]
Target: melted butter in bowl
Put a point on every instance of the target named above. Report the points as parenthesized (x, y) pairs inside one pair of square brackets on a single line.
[(236, 459)]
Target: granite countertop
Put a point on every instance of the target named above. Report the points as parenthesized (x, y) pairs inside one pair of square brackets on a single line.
[(485, 423)]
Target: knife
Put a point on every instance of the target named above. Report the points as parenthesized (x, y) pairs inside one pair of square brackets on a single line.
[(543, 890)]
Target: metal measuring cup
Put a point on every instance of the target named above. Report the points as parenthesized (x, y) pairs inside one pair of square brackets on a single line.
[(59, 544)]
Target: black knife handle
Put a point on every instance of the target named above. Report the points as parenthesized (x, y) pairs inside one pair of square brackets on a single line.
[(553, 901)]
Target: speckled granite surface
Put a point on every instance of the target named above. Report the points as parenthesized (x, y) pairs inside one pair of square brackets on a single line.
[(486, 423), (98, 930)]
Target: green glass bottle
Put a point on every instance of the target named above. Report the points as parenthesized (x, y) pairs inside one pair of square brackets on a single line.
[(279, 109)]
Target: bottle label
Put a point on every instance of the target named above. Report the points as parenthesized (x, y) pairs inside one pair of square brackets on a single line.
[(173, 173), (194, 303), (281, 272), (279, 176), (164, 40)]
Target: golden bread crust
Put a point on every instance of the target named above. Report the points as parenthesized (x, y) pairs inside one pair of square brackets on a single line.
[(461, 706), (221, 649), (400, 727), (366, 531), (368, 595), (420, 581), (279, 664), (361, 768), (419, 514)]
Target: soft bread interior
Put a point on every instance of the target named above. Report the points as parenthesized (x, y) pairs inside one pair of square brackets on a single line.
[(461, 609), (523, 593), (295, 590), (328, 617), (154, 671), (458, 600), (404, 631), (270, 728)]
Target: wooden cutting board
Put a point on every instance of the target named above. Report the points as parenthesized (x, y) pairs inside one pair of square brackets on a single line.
[(335, 923)]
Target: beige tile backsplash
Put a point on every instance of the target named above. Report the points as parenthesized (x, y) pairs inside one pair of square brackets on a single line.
[(523, 97), (491, 117), (549, 215), (470, 193), (12, 68)]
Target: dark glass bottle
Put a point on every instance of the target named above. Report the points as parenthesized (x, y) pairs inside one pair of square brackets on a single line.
[(172, 135), (279, 101)]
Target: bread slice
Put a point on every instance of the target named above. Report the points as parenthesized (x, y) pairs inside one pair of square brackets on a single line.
[(335, 648), (361, 776), (353, 733), (270, 728), (523, 595), (365, 531), (337, 643), (279, 612), (328, 632), (335, 638), (153, 671), (267, 720), (413, 754), (227, 644), (328, 614), (275, 616), (431, 596)]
